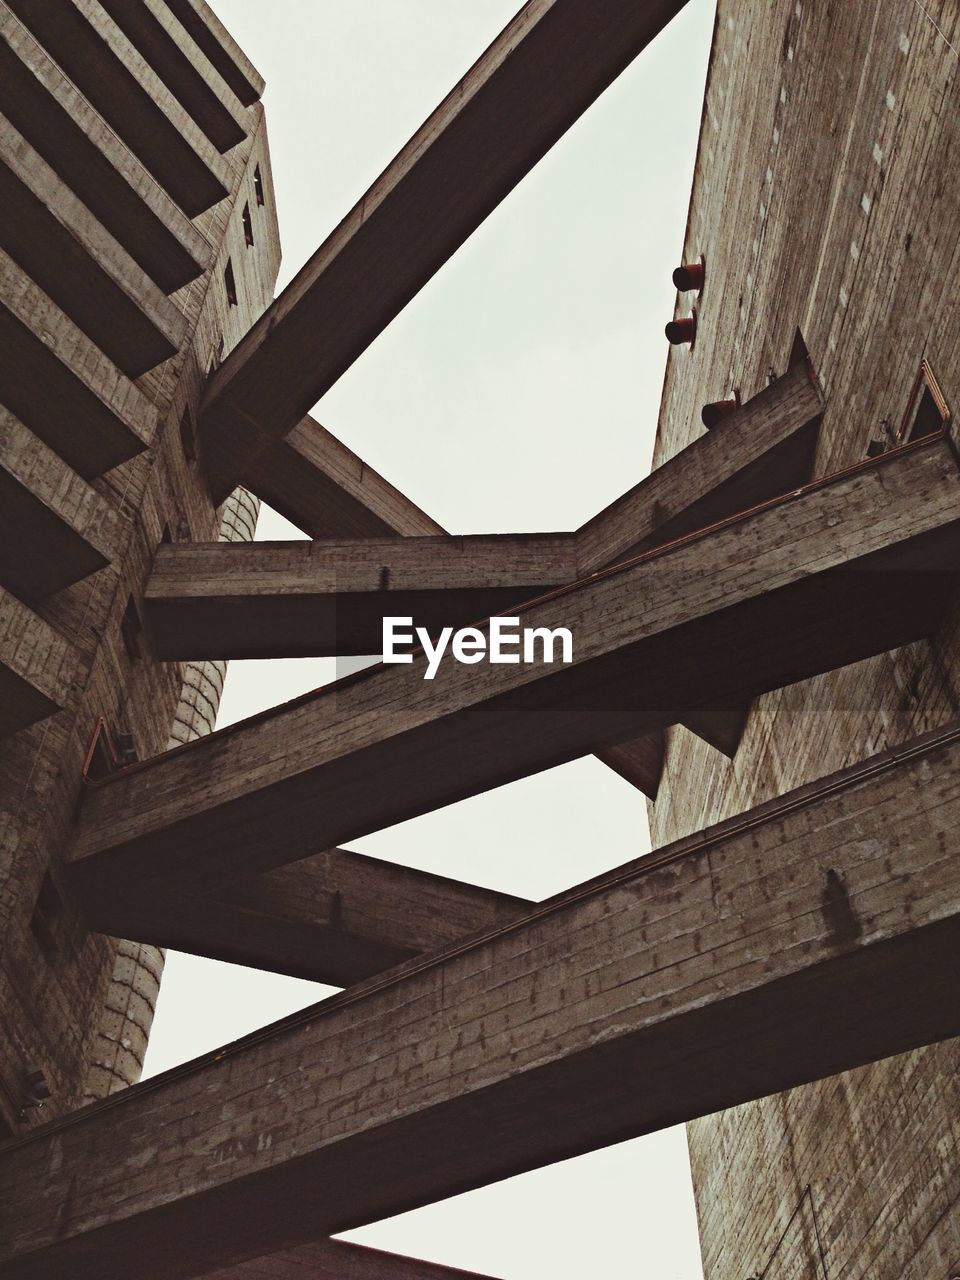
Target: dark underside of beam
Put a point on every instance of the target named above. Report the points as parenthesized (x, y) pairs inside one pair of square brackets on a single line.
[(475, 728), (806, 937), (221, 125), (115, 92), (69, 273), (53, 402), (21, 702), (59, 554), (551, 62), (337, 917), (85, 168), (232, 64), (300, 626), (338, 1260), (639, 761)]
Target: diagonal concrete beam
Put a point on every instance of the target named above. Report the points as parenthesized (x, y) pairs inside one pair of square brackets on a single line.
[(765, 448), (297, 599), (290, 599), (338, 1260), (540, 74), (328, 491), (846, 568), (336, 917), (811, 935)]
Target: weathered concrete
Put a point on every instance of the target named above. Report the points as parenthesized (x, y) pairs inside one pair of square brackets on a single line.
[(71, 531), (61, 386), (79, 265), (130, 97), (540, 74), (38, 672), (78, 144), (813, 934), (826, 197), (182, 66), (849, 567), (335, 917)]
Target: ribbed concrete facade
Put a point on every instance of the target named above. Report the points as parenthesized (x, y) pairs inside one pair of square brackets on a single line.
[(139, 244), (826, 201)]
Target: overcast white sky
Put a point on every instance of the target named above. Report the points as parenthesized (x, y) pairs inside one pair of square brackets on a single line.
[(519, 391)]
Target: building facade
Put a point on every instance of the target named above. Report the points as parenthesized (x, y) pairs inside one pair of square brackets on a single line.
[(139, 243), (825, 203)]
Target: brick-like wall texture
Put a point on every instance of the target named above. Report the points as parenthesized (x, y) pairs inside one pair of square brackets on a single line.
[(74, 1004), (131, 1000), (826, 199)]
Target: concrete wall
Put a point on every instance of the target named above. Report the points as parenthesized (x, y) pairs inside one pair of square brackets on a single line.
[(78, 1005), (826, 199)]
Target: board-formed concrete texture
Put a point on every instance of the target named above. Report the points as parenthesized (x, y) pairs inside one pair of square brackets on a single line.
[(810, 935), (826, 198), (767, 631), (100, 368)]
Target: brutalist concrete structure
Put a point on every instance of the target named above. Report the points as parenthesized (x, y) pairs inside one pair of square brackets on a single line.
[(766, 641), (139, 243), (826, 204)]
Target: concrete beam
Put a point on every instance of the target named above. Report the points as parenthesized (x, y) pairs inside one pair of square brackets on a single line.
[(763, 449), (849, 567), (39, 669), (639, 761), (64, 128), (67, 529), (326, 490), (540, 74), (224, 53), (336, 917), (720, 723), (182, 66), (296, 599), (130, 97), (809, 936), (64, 248), (338, 1260), (62, 386)]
